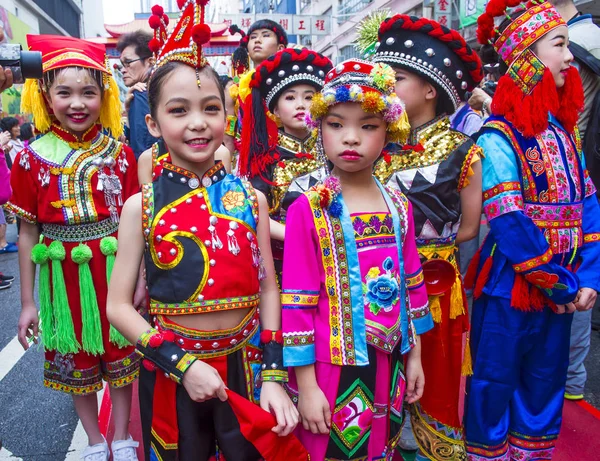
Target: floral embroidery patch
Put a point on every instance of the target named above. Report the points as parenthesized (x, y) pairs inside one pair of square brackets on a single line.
[(381, 291), (352, 418), (545, 281), (234, 200)]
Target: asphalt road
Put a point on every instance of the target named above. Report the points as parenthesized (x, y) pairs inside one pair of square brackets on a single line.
[(37, 424)]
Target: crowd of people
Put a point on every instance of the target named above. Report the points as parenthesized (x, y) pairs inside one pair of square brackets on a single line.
[(280, 255)]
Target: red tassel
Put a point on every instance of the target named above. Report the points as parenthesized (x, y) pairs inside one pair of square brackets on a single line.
[(537, 299), (148, 365), (528, 113), (484, 275), (571, 100), (469, 281), (519, 295)]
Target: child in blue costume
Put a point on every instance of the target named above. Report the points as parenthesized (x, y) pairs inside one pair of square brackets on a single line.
[(540, 260)]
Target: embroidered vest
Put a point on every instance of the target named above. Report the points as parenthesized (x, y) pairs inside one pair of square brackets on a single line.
[(552, 182), (202, 254)]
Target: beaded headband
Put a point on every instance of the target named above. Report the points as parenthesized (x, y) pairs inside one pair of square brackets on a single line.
[(537, 20), (371, 85)]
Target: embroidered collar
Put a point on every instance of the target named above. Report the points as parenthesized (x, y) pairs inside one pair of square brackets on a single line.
[(295, 145), (423, 133), (72, 140), (182, 176)]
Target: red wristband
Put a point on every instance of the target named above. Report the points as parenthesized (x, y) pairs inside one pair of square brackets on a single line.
[(266, 336)]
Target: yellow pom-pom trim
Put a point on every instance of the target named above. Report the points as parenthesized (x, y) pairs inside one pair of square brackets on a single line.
[(110, 111), (318, 107), (244, 86), (399, 130), (373, 102), (33, 102)]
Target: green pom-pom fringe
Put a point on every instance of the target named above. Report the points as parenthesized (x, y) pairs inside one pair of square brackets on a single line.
[(117, 338), (56, 251), (66, 341), (81, 254), (91, 332), (108, 246), (40, 254), (368, 31)]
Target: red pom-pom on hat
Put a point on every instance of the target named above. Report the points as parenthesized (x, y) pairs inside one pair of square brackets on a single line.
[(180, 3), (201, 34), (154, 21), (165, 19), (154, 45), (158, 10)]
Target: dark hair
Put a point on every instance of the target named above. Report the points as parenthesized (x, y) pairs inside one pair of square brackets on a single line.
[(26, 132), (139, 39), (158, 78), (8, 123), (268, 24), (224, 79)]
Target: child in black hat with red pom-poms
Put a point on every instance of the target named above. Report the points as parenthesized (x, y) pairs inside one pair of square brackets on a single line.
[(282, 163), (438, 170)]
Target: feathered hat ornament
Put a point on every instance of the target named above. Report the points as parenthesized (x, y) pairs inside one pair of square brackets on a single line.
[(368, 30)]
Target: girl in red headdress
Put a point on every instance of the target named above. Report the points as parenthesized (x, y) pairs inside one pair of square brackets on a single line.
[(204, 237), (69, 187), (540, 261)]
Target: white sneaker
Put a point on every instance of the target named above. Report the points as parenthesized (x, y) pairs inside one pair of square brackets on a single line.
[(98, 452), (124, 450)]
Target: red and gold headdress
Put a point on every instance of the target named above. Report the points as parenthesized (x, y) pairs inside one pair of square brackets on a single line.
[(527, 92), (184, 44), (59, 52)]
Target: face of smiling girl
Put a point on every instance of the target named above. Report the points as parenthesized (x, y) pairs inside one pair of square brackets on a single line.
[(191, 120), (75, 99)]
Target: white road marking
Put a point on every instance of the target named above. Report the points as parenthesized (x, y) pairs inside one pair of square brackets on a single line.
[(7, 455), (80, 441), (9, 356)]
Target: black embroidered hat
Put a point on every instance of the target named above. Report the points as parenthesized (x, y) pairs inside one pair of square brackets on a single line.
[(287, 68), (436, 53), (270, 79)]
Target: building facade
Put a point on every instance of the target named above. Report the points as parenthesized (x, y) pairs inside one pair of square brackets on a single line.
[(56, 17)]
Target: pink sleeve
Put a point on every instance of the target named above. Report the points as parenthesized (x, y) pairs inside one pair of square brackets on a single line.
[(417, 292), (301, 285), (5, 190)]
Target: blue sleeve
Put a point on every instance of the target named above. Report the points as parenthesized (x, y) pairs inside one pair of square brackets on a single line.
[(516, 236), (589, 270), (139, 138)]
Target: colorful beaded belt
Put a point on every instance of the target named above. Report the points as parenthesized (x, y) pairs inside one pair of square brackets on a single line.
[(212, 343), (80, 232)]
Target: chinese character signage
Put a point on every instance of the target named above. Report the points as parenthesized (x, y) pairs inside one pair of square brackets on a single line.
[(293, 24), (470, 10), (442, 12)]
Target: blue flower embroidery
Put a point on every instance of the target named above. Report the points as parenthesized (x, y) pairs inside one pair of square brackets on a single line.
[(381, 290)]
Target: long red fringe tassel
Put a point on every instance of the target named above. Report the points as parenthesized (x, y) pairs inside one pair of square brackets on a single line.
[(529, 113), (519, 295), (469, 281), (484, 276)]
